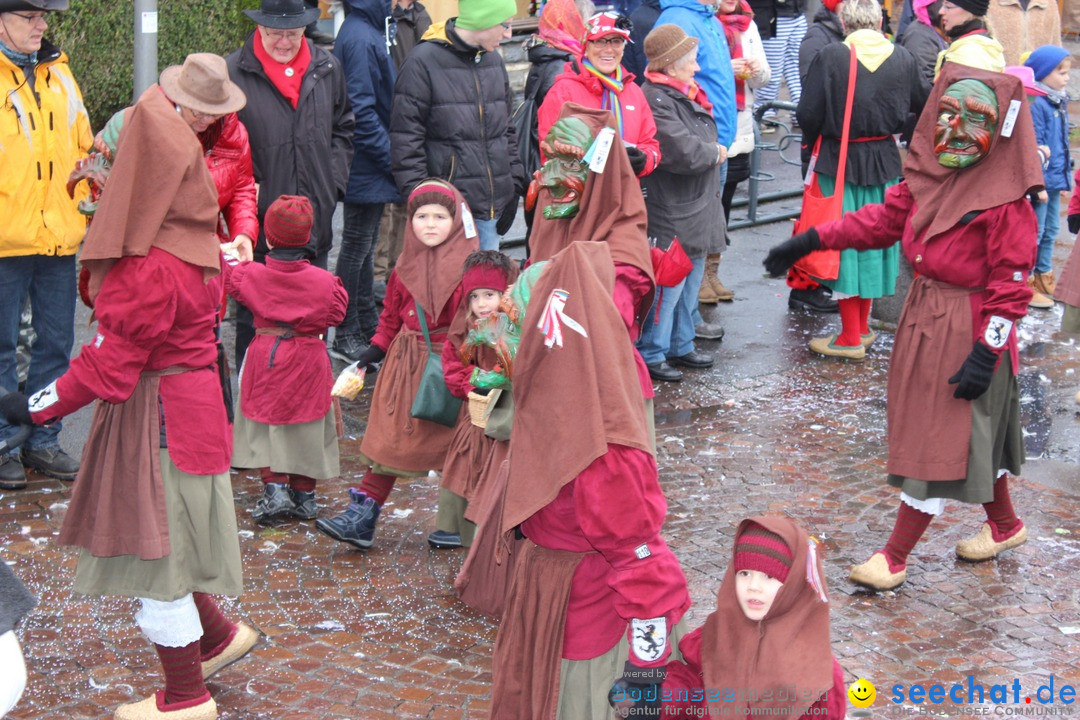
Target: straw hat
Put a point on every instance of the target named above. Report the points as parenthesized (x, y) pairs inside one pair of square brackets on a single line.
[(202, 84)]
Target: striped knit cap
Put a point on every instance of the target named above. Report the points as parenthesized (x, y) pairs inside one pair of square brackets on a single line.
[(759, 549), (288, 221)]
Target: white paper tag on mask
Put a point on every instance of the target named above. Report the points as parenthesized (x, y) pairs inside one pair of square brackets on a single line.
[(1010, 118), (467, 221), (601, 148)]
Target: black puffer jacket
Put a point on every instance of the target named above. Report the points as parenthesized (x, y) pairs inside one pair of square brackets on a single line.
[(451, 119), (306, 151)]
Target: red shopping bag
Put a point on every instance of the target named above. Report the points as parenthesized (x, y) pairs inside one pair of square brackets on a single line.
[(670, 267)]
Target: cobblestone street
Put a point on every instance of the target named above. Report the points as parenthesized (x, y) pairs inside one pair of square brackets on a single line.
[(771, 429)]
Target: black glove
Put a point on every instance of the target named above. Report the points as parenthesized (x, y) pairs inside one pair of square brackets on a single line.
[(637, 694), (783, 256), (371, 354), (637, 159), (15, 409), (974, 376), (1074, 223)]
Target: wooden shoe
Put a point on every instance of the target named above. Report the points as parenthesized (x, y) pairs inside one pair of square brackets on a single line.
[(827, 346), (983, 546), (875, 574), (239, 644), (868, 339), (154, 708)]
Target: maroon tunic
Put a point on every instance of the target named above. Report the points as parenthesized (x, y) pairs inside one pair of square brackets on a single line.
[(987, 260), (287, 380)]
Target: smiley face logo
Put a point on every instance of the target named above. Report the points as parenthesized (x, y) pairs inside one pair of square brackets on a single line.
[(862, 693)]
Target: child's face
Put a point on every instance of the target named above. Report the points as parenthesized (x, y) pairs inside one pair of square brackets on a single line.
[(431, 224), (755, 592), (1059, 76), (484, 302)]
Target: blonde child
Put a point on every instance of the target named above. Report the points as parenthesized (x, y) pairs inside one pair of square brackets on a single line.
[(470, 365), (285, 423), (425, 287), (772, 615)]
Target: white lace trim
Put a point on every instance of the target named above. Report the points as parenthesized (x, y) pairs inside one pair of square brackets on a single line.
[(13, 680), (171, 624), (930, 506)]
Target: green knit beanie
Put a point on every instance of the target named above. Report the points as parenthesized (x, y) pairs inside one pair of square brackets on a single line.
[(484, 14)]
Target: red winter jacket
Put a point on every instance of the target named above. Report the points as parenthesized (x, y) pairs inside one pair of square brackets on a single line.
[(581, 87), (228, 157)]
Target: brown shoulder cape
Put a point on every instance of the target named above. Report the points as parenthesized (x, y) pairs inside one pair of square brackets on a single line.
[(571, 400), (431, 275), (781, 665), (1009, 171), (612, 210), (159, 194)]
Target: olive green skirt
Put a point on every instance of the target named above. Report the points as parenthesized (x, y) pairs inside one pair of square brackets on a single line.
[(204, 554), (309, 449), (997, 443)]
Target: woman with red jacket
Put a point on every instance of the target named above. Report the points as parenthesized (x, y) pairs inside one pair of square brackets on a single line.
[(598, 80)]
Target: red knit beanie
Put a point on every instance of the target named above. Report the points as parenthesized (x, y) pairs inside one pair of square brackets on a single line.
[(431, 192), (288, 221), (759, 549)]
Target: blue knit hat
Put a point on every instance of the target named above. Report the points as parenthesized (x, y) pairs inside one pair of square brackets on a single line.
[(1043, 60)]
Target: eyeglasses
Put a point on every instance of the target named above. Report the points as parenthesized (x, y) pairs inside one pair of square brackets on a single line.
[(611, 41), (31, 19), (505, 26), (284, 34)]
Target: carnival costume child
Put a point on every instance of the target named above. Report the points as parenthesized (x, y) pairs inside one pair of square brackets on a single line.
[(965, 225), (596, 590), (152, 508), (285, 422), (477, 358), (765, 650), (424, 289)]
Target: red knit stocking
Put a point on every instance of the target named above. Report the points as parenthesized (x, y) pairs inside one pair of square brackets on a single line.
[(910, 525), (850, 308), (218, 630), (269, 476), (864, 315), (301, 483), (377, 487), (1000, 513), (183, 673)]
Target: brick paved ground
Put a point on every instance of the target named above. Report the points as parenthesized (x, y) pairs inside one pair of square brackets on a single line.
[(771, 429)]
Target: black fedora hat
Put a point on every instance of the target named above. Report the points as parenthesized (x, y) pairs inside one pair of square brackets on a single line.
[(283, 14), (46, 5)]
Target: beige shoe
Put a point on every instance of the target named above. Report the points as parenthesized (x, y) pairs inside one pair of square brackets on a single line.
[(1078, 398), (827, 346), (875, 574), (152, 709), (724, 294), (707, 292), (1045, 283), (983, 546), (1038, 300), (244, 639), (868, 339)]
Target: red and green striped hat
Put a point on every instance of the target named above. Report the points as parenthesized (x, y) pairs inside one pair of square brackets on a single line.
[(758, 549)]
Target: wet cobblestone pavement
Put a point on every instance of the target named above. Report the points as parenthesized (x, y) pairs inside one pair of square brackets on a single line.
[(770, 429)]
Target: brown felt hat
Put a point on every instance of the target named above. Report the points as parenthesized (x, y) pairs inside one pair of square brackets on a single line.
[(202, 84), (667, 44)]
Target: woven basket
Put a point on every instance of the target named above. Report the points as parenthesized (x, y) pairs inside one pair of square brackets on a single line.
[(478, 405)]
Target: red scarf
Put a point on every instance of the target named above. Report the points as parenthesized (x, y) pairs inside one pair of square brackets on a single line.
[(735, 25), (690, 90), (288, 86)]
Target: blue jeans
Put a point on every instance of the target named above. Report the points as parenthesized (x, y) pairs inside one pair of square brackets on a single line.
[(50, 282), (686, 314), (489, 238), (356, 268), (1049, 216), (656, 341)]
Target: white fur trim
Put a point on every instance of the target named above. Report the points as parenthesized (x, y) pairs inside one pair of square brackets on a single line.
[(930, 506), (172, 624)]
